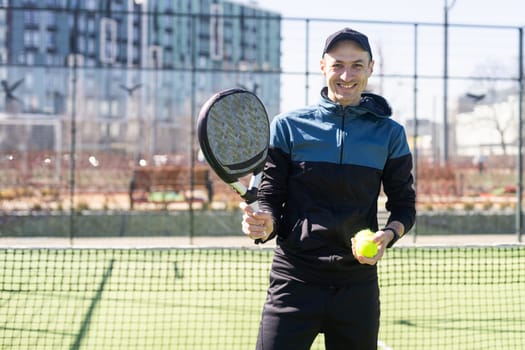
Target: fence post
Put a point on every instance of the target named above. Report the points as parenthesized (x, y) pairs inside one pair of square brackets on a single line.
[(519, 189), (192, 125), (414, 105), (72, 151)]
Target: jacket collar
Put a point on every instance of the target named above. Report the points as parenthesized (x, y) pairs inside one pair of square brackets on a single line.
[(370, 103)]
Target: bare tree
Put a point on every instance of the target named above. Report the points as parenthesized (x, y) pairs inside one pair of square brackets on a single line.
[(489, 99)]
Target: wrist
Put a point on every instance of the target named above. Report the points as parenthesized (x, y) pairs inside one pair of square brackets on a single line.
[(395, 238)]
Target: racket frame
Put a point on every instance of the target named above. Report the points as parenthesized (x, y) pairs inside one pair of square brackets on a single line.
[(249, 194)]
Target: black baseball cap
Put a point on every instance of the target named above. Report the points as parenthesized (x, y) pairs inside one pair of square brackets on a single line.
[(347, 34)]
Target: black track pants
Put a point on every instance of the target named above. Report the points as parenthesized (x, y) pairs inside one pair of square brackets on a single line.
[(294, 314)]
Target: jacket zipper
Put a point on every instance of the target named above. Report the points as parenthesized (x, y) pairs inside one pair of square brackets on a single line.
[(342, 137)]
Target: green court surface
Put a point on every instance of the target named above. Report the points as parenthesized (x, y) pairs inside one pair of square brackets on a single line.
[(211, 298)]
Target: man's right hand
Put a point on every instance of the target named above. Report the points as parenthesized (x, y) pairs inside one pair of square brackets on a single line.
[(256, 224)]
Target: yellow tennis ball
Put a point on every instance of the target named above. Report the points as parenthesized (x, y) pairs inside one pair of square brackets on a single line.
[(364, 244)]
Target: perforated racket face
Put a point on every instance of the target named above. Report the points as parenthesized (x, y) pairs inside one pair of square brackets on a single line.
[(233, 131)]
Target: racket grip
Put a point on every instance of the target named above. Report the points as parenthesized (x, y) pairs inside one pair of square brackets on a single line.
[(255, 207), (251, 197)]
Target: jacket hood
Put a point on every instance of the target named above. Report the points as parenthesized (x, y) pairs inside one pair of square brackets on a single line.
[(370, 103)]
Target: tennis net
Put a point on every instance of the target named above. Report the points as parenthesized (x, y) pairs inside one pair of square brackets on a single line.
[(211, 298)]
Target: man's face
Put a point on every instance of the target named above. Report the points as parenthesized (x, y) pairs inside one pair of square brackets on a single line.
[(346, 68)]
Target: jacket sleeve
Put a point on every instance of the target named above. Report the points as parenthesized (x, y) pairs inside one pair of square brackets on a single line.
[(398, 184), (273, 190)]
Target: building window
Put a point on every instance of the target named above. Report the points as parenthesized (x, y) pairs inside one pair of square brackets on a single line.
[(81, 23), (49, 18), (91, 4), (50, 40), (29, 81), (30, 2), (90, 62), (104, 108), (31, 38), (90, 106), (91, 25), (51, 59), (31, 17), (91, 46)]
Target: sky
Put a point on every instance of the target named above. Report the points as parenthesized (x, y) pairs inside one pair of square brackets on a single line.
[(471, 49), (501, 12)]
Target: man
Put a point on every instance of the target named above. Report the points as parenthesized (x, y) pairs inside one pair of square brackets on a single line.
[(320, 186)]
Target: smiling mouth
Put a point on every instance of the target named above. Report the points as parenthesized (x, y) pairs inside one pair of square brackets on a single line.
[(346, 85)]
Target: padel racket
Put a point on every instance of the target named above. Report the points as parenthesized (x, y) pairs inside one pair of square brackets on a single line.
[(234, 133)]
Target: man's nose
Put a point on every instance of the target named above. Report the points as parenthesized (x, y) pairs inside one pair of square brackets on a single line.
[(347, 74)]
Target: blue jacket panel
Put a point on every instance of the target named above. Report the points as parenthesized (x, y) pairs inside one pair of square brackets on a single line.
[(326, 167)]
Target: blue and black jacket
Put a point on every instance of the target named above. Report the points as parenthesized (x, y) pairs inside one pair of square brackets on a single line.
[(326, 167)]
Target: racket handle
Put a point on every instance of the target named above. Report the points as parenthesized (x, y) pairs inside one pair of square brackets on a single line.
[(255, 207)]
